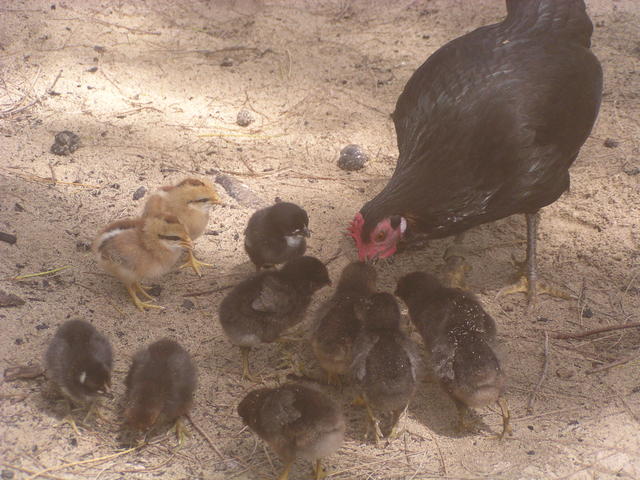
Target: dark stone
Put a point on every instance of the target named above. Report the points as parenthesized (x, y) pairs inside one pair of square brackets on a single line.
[(6, 474), (92, 70), (188, 305), (227, 62), (139, 193), (8, 238), (352, 158), (631, 171), (587, 313), (244, 118), (65, 143), (42, 326), (18, 208), (611, 143), (155, 290)]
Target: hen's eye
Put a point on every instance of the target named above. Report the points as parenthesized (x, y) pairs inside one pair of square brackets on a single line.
[(381, 236)]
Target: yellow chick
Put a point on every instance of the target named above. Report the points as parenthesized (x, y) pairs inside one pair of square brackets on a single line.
[(141, 248), (190, 201)]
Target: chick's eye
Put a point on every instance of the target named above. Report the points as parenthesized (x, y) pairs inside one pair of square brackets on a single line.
[(380, 236), (173, 238)]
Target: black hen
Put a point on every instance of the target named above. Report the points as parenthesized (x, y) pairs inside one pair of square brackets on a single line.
[(261, 307), (160, 386), (488, 127), (459, 336), (276, 234)]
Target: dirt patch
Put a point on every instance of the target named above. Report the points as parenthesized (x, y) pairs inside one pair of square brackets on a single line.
[(153, 90)]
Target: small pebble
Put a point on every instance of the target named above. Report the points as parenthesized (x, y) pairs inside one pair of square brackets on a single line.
[(19, 341), (10, 300), (587, 313), (73, 441), (188, 305), (92, 70), (352, 158), (42, 326), (139, 193), (531, 452), (227, 62), (6, 474), (18, 208), (611, 143), (632, 172), (155, 290), (244, 118), (8, 238), (65, 143), (564, 373)]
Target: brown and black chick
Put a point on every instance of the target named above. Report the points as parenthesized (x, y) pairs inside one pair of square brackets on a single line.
[(78, 361), (276, 234), (160, 386), (263, 306), (336, 326), (459, 336), (385, 362), (296, 421), (191, 201)]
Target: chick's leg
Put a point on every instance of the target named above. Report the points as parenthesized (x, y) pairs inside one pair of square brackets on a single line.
[(398, 417), (68, 418), (506, 416), (528, 283), (194, 263), (246, 374), (456, 267), (374, 422), (181, 431), (285, 473), (143, 290), (318, 471), (139, 303)]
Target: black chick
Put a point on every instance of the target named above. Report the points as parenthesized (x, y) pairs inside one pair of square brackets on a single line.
[(276, 234), (385, 361), (78, 361), (336, 326), (488, 127), (459, 335), (296, 421), (160, 386), (261, 307)]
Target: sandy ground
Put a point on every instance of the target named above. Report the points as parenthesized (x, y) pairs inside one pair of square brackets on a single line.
[(153, 89)]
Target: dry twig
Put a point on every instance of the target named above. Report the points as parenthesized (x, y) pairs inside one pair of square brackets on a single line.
[(564, 336)]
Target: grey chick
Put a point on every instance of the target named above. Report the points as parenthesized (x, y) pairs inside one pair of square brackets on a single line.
[(336, 326), (385, 362), (276, 234), (459, 335), (78, 361), (296, 421), (160, 386), (263, 306)]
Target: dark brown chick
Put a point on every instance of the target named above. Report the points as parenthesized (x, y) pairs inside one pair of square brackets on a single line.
[(160, 387), (296, 421), (276, 234), (78, 361), (337, 326), (385, 362), (459, 335), (263, 306)]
